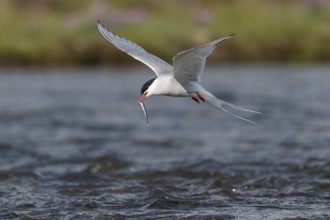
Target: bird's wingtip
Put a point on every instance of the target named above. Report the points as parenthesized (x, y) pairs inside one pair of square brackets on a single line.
[(99, 22)]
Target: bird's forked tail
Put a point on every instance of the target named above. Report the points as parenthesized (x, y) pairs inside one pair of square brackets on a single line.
[(219, 104)]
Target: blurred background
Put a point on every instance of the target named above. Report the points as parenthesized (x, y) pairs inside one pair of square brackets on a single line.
[(74, 143), (60, 32)]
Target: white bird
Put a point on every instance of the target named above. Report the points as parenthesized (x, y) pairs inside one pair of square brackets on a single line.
[(181, 80)]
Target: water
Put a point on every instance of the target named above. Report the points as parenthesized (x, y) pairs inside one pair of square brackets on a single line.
[(74, 145)]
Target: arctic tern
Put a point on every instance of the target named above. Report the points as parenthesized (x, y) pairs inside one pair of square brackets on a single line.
[(181, 80)]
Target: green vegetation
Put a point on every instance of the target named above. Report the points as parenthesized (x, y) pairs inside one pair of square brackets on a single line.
[(61, 32)]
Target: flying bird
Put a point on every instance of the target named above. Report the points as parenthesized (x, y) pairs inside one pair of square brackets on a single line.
[(180, 80)]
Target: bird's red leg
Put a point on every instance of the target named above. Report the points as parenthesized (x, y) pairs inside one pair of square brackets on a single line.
[(195, 99), (200, 97)]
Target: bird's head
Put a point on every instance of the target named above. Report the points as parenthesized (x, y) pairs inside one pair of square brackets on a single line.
[(143, 95), (144, 90)]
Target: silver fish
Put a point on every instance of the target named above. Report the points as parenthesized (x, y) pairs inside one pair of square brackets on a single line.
[(144, 111)]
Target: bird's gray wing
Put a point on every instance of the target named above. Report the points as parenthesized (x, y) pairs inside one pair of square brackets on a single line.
[(158, 65), (189, 64)]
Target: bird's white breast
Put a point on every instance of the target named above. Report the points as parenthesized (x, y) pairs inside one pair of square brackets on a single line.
[(167, 85)]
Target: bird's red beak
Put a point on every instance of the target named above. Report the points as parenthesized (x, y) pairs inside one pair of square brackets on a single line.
[(142, 97)]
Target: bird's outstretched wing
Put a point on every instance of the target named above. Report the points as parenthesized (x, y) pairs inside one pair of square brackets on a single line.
[(189, 64), (158, 65)]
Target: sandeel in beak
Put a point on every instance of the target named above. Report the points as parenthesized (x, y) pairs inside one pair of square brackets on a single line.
[(144, 111)]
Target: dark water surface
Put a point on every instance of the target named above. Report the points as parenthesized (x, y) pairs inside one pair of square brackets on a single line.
[(74, 145)]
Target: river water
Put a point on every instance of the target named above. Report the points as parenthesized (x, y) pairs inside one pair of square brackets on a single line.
[(74, 144)]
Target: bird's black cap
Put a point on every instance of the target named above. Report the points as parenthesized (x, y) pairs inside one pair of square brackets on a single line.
[(146, 85)]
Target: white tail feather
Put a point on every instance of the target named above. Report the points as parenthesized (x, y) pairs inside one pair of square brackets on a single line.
[(239, 108), (210, 99), (236, 116)]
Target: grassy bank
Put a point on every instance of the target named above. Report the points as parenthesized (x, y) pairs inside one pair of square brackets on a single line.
[(64, 32)]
